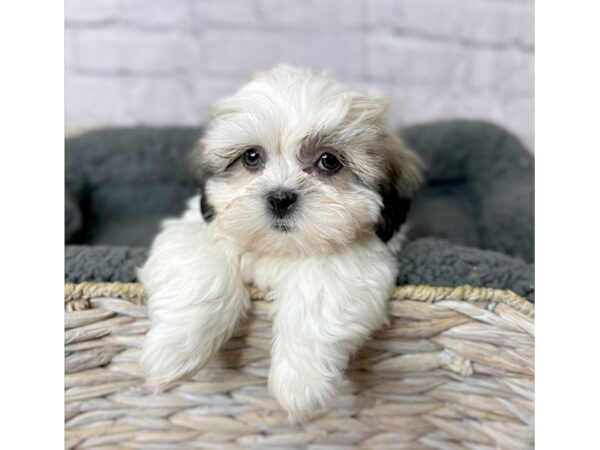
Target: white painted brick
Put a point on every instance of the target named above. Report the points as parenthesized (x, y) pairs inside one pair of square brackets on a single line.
[(518, 115), (446, 64), (91, 11), (239, 53), (504, 71), (412, 60), (413, 104), (97, 100), (142, 13), (490, 22), (69, 49), (108, 51), (495, 22), (380, 13), (342, 53), (440, 18), (225, 13), (281, 14), (170, 14), (337, 14), (465, 103), (525, 23), (163, 101), (417, 104), (369, 87), (165, 61), (207, 90), (308, 15), (313, 15), (93, 100), (481, 68)]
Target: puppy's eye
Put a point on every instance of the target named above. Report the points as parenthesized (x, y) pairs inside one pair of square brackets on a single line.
[(328, 162), (252, 158)]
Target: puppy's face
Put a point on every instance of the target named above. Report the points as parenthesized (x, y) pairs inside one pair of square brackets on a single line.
[(297, 163)]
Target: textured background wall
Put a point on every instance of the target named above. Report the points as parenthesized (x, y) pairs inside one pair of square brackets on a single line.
[(165, 61)]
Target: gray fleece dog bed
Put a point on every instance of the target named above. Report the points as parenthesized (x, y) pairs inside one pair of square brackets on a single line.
[(473, 222)]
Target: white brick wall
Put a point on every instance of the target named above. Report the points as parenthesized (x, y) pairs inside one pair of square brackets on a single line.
[(164, 61)]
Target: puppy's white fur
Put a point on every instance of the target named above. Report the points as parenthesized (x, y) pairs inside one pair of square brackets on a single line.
[(197, 297), (326, 265)]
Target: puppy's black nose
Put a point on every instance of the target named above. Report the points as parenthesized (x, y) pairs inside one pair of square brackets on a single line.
[(282, 202)]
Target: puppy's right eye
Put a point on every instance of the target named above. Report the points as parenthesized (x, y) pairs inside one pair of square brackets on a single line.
[(252, 158), (328, 164)]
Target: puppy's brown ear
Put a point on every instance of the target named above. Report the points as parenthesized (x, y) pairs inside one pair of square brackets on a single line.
[(201, 172), (404, 175)]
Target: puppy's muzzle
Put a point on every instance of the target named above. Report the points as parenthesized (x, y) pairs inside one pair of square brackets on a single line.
[(282, 202)]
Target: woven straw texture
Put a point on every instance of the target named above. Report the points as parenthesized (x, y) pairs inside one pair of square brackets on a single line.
[(455, 370)]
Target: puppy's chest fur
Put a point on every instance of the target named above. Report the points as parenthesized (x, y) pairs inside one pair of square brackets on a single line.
[(315, 273), (265, 271)]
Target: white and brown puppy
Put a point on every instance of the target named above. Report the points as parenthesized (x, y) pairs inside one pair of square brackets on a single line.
[(303, 192)]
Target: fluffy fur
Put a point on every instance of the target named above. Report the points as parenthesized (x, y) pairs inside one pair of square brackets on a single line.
[(327, 263)]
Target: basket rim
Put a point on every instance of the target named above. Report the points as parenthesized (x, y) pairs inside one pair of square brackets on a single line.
[(78, 294)]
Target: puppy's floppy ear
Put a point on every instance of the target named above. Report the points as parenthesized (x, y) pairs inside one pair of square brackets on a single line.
[(403, 178), (201, 172)]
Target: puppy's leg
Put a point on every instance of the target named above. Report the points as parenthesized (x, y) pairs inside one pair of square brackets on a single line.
[(324, 309), (196, 298)]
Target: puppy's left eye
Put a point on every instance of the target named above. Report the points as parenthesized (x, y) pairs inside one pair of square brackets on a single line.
[(252, 158), (328, 162)]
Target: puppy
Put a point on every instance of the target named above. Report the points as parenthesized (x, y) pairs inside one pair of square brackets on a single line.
[(303, 191)]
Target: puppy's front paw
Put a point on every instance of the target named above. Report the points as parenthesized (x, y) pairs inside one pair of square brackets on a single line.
[(302, 393), (167, 358)]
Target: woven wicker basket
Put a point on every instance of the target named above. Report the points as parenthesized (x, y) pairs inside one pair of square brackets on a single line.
[(454, 371)]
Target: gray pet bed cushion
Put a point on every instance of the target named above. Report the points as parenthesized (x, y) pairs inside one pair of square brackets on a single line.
[(472, 223)]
